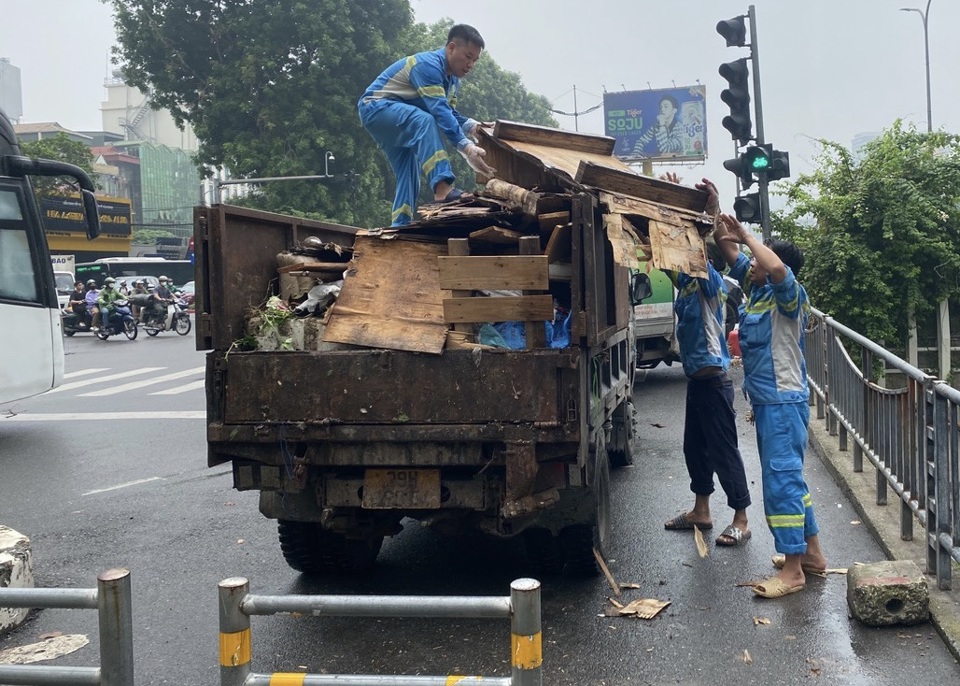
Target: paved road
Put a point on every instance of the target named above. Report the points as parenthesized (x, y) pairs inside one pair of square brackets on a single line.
[(147, 501)]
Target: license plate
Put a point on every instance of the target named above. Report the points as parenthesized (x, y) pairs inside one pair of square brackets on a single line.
[(388, 489)]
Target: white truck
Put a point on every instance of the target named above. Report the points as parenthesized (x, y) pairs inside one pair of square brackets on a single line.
[(64, 268)]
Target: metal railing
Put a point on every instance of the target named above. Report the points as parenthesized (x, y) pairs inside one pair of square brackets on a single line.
[(237, 605), (909, 434), (111, 599)]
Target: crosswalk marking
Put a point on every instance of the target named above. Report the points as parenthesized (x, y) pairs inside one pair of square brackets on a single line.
[(181, 389), (133, 385), (85, 372), (102, 379), (100, 416)]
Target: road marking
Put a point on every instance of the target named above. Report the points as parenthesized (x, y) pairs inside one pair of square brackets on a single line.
[(89, 416), (119, 486), (85, 372), (110, 377), (133, 385), (181, 389)]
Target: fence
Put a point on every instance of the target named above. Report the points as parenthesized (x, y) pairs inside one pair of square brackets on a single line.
[(237, 605), (909, 434), (111, 599)]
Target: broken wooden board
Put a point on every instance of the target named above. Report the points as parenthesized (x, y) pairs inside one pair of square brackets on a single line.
[(624, 240), (628, 205), (520, 308), (494, 272), (517, 198), (559, 245), (391, 297), (628, 182), (550, 220), (678, 247), (555, 138), (496, 235)]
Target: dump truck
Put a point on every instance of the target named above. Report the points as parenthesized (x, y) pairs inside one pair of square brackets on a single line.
[(400, 401)]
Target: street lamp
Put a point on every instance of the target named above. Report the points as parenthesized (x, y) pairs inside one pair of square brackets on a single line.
[(326, 163), (924, 15), (218, 183)]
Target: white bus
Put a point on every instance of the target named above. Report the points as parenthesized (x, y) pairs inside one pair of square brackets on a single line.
[(31, 353)]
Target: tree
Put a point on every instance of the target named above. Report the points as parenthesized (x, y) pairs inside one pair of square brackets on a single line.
[(880, 233), (270, 86), (61, 149)]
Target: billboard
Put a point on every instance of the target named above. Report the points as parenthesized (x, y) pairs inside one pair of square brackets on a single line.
[(64, 214), (657, 125)]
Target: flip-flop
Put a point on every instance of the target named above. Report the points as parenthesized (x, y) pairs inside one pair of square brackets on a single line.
[(680, 522), (775, 588), (736, 533), (779, 560)]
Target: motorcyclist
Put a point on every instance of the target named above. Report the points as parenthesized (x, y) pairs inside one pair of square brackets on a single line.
[(78, 303), (108, 296), (91, 298), (161, 297), (139, 297)]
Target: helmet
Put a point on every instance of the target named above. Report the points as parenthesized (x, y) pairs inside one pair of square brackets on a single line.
[(109, 281), (91, 282), (163, 279), (138, 282)]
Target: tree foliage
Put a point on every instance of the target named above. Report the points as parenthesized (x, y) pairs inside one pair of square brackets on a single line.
[(885, 231), (269, 86), (59, 148)]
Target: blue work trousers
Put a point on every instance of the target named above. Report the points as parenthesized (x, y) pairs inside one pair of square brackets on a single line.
[(710, 440), (412, 141), (782, 443)]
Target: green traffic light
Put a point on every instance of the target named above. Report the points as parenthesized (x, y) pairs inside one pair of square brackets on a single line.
[(758, 158)]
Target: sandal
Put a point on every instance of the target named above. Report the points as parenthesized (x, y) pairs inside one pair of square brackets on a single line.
[(454, 195), (736, 534), (775, 588), (680, 522), (779, 560)]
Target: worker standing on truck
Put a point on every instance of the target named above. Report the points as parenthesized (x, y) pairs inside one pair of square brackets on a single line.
[(407, 107), (710, 426)]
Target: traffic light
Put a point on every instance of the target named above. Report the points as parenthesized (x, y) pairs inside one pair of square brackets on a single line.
[(754, 160), (737, 97), (747, 208), (779, 165), (734, 31)]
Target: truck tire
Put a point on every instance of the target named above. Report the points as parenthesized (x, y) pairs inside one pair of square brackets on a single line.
[(623, 440), (579, 540), (309, 548), (544, 551)]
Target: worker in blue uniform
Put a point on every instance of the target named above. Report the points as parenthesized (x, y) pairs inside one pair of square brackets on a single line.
[(407, 108)]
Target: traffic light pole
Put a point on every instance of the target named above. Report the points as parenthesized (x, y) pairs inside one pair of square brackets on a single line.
[(762, 181)]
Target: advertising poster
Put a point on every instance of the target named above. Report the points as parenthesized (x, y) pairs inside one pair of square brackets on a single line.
[(665, 124)]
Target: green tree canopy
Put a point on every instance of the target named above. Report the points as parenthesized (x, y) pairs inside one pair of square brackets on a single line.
[(881, 232), (61, 149), (270, 86)]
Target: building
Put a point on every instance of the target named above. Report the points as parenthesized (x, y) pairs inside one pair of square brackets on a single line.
[(11, 95)]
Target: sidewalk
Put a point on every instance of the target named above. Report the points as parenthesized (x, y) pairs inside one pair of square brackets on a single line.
[(884, 523)]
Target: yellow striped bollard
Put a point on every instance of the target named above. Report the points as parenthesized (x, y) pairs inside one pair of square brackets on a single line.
[(526, 639), (234, 632)]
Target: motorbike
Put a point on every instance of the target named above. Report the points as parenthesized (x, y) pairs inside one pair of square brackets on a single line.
[(75, 322), (120, 321), (175, 318)]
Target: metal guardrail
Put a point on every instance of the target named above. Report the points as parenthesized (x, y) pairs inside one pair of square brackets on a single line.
[(237, 605), (111, 599), (910, 434)]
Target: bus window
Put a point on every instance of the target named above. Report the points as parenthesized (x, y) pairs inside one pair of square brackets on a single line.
[(18, 280)]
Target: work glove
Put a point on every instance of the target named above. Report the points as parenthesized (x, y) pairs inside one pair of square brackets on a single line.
[(471, 129), (474, 155)]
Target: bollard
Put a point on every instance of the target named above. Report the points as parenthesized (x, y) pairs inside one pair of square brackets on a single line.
[(234, 632), (526, 650), (115, 611)]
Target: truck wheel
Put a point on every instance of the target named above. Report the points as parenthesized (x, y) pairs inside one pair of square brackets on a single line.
[(544, 551), (579, 540), (623, 439), (309, 548)]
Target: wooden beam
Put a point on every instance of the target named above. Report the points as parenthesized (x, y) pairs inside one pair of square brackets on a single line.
[(544, 135), (559, 245), (536, 335), (494, 272), (314, 267), (517, 198), (496, 234), (550, 220), (459, 247), (638, 186), (520, 308)]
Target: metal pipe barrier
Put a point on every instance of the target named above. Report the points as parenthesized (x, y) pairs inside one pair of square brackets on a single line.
[(111, 600), (909, 434), (237, 605)]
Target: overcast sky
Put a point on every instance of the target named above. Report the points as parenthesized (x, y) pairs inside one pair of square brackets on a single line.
[(830, 68)]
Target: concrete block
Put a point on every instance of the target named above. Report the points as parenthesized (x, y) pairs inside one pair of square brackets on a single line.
[(16, 571), (885, 593)]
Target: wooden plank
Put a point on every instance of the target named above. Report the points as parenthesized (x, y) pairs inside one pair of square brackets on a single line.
[(494, 272), (545, 135), (536, 336), (459, 247), (559, 245), (497, 235), (622, 204), (623, 239), (639, 186), (550, 220), (314, 267), (678, 247), (507, 309), (391, 298)]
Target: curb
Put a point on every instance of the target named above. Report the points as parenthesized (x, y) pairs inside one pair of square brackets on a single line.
[(16, 571), (883, 522)]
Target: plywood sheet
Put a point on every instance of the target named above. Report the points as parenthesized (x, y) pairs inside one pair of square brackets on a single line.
[(624, 240), (678, 247), (391, 297)]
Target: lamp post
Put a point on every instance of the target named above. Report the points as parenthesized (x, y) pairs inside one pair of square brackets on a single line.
[(218, 183), (924, 15)]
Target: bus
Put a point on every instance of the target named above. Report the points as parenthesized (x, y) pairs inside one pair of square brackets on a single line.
[(32, 338), (178, 271)]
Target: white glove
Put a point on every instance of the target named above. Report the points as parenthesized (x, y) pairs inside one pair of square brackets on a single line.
[(471, 130), (474, 155)]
